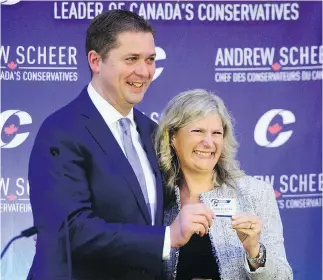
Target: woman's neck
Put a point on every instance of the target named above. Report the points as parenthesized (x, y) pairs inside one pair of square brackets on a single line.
[(193, 185)]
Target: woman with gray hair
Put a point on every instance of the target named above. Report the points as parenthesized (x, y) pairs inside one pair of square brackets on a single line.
[(196, 150)]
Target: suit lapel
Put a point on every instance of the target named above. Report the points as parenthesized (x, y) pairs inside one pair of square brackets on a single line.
[(145, 130), (97, 127)]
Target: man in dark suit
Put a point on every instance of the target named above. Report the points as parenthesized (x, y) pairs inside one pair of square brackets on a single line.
[(95, 186)]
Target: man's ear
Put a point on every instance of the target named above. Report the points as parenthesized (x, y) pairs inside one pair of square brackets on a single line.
[(94, 61)]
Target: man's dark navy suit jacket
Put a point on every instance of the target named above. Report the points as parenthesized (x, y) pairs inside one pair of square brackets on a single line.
[(87, 203)]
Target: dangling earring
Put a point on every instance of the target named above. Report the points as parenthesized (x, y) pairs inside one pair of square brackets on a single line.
[(172, 144), (177, 169)]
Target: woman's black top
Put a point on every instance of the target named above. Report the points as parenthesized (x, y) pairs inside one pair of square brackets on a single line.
[(196, 260)]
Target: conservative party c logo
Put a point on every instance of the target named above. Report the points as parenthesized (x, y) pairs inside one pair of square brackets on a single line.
[(160, 55), (264, 126), (10, 135), (8, 2)]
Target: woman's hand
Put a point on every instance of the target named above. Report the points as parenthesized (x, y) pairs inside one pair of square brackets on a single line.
[(248, 228)]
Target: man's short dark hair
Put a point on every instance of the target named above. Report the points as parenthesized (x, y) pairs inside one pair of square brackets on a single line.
[(104, 29)]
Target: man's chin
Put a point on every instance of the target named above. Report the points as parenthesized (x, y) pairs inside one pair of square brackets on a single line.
[(136, 98)]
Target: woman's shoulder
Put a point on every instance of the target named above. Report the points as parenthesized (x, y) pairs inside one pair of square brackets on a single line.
[(255, 193), (250, 185)]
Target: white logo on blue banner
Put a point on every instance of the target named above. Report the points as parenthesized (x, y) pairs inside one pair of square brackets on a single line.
[(11, 129), (9, 2), (263, 126), (160, 55)]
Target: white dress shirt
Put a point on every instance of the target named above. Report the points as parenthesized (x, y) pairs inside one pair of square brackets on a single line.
[(111, 117)]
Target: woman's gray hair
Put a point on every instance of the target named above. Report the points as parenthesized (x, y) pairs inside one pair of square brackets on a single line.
[(187, 107)]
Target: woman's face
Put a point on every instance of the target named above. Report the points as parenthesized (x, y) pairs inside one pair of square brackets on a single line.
[(199, 144)]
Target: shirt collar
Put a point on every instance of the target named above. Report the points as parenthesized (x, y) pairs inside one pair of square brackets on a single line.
[(107, 111)]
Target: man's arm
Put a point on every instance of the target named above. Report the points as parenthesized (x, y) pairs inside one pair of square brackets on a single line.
[(59, 190)]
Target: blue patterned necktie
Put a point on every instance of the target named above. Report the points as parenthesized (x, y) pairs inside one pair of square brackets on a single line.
[(133, 157)]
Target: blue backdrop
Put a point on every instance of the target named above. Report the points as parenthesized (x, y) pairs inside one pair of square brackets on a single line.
[(263, 58)]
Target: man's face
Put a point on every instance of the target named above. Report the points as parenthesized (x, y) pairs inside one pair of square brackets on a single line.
[(128, 69)]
